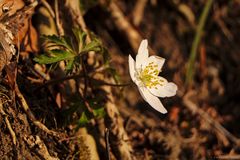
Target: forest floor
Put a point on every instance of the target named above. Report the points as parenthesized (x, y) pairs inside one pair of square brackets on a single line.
[(46, 113)]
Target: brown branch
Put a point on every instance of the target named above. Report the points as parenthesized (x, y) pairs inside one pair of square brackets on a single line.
[(39, 147), (12, 133), (49, 8), (123, 24), (117, 134), (58, 24), (138, 11)]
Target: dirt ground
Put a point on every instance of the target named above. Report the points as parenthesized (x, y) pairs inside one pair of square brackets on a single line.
[(42, 105)]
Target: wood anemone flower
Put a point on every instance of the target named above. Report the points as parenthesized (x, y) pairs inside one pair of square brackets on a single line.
[(144, 73)]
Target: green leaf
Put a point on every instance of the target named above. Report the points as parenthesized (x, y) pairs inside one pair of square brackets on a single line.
[(54, 56), (99, 112), (83, 119), (70, 65), (60, 41), (94, 45), (81, 37)]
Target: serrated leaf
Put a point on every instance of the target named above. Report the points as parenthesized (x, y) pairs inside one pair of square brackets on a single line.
[(81, 37), (54, 56), (60, 41), (94, 45)]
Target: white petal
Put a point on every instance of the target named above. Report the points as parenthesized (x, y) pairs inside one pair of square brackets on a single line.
[(156, 60), (167, 89), (142, 53), (131, 63), (152, 100)]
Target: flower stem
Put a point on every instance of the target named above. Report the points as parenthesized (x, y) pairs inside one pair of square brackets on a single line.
[(195, 44)]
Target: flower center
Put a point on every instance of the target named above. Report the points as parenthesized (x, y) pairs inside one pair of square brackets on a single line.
[(149, 76)]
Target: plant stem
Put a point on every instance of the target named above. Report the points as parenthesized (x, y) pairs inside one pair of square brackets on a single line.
[(195, 44)]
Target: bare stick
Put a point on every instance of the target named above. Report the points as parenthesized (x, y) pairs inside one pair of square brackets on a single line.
[(138, 11), (12, 133), (39, 147), (107, 143), (49, 8), (118, 136), (123, 24), (58, 24)]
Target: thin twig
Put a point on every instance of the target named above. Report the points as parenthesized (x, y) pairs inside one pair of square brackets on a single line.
[(39, 147), (138, 11), (107, 143), (70, 138), (87, 105), (122, 23), (103, 83), (54, 81), (12, 133), (58, 24), (49, 8)]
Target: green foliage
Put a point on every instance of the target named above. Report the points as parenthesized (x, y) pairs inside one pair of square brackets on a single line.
[(71, 51), (97, 112), (87, 116), (54, 56), (77, 107), (59, 41), (68, 50), (81, 38), (94, 45), (83, 120)]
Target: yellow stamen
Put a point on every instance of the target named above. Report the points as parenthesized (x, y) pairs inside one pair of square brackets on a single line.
[(149, 75)]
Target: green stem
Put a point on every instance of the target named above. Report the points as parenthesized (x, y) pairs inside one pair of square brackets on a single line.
[(195, 44), (51, 82)]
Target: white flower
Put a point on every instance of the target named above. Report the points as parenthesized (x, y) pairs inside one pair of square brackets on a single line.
[(144, 73)]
